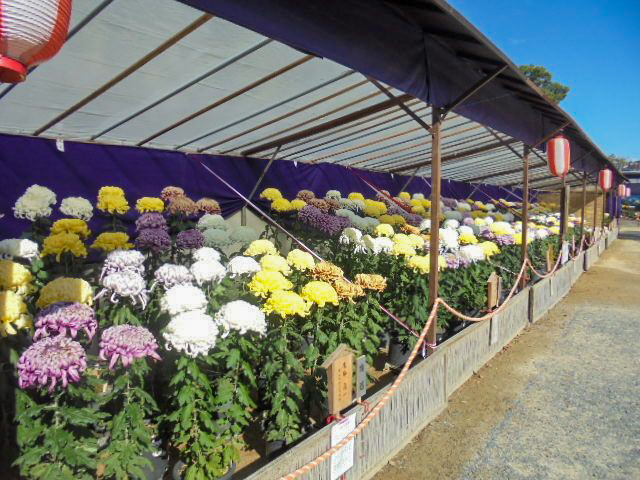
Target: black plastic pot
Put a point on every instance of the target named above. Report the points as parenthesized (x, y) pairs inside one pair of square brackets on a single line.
[(158, 466), (398, 354), (274, 447), (179, 465), (385, 338)]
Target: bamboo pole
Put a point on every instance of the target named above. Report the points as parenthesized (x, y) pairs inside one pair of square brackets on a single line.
[(525, 206), (595, 211), (434, 239), (584, 202)]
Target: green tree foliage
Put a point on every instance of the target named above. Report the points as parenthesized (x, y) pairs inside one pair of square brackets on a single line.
[(543, 79)]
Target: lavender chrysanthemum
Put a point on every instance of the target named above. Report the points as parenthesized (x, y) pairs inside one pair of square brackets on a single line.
[(151, 220), (127, 342), (190, 239), (64, 319), (453, 260), (50, 361), (125, 284), (119, 260), (505, 240), (155, 239), (328, 224), (169, 275)]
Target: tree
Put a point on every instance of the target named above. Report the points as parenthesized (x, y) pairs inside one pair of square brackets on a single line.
[(543, 79), (624, 163)]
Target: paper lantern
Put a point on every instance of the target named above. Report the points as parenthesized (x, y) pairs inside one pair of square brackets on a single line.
[(31, 32), (628, 192), (622, 190), (559, 156), (605, 179)]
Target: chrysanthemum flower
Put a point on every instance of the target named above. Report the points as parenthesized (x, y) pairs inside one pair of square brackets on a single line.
[(242, 266), (51, 361), (371, 281), (63, 289), (34, 203), (169, 193), (209, 205), (13, 313), (19, 248), (183, 298), (281, 205), (320, 293), (207, 271), (13, 276), (265, 282), (192, 333), (127, 343), (260, 247), (65, 319), (77, 207), (150, 204), (384, 230), (110, 241), (327, 271), (270, 194), (242, 316), (112, 200), (275, 263), (169, 275), (285, 303), (211, 221), (60, 243)]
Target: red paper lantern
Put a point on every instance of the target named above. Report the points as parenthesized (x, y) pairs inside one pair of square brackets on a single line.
[(622, 190), (605, 179), (31, 32), (559, 156), (628, 192)]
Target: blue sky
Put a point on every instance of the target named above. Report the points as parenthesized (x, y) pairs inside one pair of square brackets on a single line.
[(593, 46)]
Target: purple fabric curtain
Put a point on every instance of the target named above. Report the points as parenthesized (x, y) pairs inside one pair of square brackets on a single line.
[(83, 168)]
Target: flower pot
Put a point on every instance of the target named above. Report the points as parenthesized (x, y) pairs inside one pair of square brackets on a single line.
[(385, 338), (158, 466), (398, 354), (274, 447), (176, 471)]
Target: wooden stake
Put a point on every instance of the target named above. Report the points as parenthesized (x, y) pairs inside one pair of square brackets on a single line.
[(565, 198), (584, 202), (595, 211), (525, 207)]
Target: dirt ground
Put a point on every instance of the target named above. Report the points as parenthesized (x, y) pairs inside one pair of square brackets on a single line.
[(561, 401)]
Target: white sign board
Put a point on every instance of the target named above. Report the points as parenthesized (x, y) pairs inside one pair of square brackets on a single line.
[(565, 253), (343, 459)]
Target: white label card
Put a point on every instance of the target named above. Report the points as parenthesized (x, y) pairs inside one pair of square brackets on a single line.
[(60, 144), (343, 459), (565, 253)]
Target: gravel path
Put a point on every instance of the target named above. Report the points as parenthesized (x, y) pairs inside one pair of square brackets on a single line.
[(571, 402)]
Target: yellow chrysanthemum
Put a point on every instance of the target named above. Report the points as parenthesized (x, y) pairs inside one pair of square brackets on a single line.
[(467, 239), (285, 303), (300, 260), (281, 205), (388, 219), (478, 214), (63, 242), (275, 263), (112, 200), (320, 293), (499, 217), (327, 271), (71, 225), (63, 289), (416, 202), (384, 230), (416, 240), (150, 204), (404, 195), (376, 207), (347, 290), (419, 263), (270, 194), (356, 196), (265, 282), (419, 210), (13, 276), (555, 230), (402, 249), (489, 248), (442, 263), (401, 238), (298, 204), (398, 220), (518, 238), (110, 241), (261, 247), (12, 310), (426, 203)]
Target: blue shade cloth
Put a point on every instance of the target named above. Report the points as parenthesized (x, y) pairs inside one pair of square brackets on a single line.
[(83, 168)]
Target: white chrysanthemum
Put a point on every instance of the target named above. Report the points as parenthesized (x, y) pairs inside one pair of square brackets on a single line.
[(358, 205), (206, 271), (242, 316), (214, 237), (451, 223), (463, 207), (350, 235), (170, 275), (183, 298), (193, 333), (488, 221), (542, 233), (508, 217), (244, 235), (242, 266), (333, 194), (77, 207), (211, 221), (418, 196), (120, 260), (465, 230), (449, 239), (125, 284), (517, 226), (490, 206), (377, 245), (34, 203), (206, 253), (471, 253), (19, 248), (425, 225)]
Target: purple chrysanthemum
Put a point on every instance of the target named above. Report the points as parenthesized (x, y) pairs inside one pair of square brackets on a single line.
[(468, 221), (65, 319), (453, 260), (190, 239), (155, 239), (328, 224), (127, 342), (151, 220), (505, 240), (51, 360)]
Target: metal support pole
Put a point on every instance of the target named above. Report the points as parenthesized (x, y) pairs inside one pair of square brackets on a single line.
[(434, 239), (243, 212), (525, 205), (406, 184), (595, 211), (565, 199), (604, 207), (584, 202)]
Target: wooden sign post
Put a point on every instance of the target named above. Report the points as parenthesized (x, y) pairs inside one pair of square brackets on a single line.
[(550, 261), (494, 289), (339, 367)]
